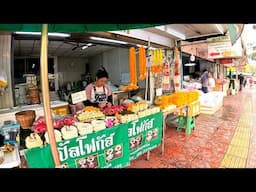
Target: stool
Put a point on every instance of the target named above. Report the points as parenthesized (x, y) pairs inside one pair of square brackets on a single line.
[(182, 124)]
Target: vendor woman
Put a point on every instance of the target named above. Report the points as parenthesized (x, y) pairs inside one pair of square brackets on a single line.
[(99, 93)]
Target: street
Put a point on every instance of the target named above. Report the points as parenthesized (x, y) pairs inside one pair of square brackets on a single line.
[(226, 139)]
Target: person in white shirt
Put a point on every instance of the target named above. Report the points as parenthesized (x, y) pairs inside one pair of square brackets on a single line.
[(211, 81)]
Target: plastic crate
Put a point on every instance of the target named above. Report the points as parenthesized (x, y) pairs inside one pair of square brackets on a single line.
[(60, 110), (193, 109)]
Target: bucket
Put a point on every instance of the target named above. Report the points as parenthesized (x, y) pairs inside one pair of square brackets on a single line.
[(34, 96), (26, 118)]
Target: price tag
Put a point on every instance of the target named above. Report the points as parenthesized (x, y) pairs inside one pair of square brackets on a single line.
[(159, 92)]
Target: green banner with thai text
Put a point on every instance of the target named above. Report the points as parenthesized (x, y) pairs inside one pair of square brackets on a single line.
[(145, 134), (107, 148)]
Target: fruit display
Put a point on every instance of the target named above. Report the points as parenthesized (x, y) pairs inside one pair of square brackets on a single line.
[(129, 117), (69, 132), (69, 121), (136, 107), (57, 134), (39, 126), (58, 123), (112, 121), (157, 61), (178, 99), (132, 63), (128, 87), (168, 108), (98, 125), (87, 116), (91, 108), (184, 98), (149, 111), (84, 128), (33, 140), (142, 64), (113, 110)]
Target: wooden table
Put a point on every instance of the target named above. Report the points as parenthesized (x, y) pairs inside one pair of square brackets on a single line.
[(165, 114)]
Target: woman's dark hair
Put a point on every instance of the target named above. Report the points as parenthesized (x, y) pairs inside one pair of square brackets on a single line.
[(101, 73)]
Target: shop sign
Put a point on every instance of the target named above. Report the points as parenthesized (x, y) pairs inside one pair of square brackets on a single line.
[(226, 61), (104, 149), (145, 134), (78, 97), (224, 49)]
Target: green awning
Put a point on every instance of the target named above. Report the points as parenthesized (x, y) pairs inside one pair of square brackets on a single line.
[(235, 31), (69, 28)]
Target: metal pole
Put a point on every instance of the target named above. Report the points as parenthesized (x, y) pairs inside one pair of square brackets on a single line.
[(45, 92), (147, 88)]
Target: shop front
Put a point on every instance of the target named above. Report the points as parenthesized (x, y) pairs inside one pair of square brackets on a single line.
[(144, 78)]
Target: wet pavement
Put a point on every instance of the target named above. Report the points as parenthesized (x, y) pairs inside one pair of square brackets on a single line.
[(226, 139)]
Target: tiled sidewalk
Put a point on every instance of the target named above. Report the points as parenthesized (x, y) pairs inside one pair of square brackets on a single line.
[(226, 139)]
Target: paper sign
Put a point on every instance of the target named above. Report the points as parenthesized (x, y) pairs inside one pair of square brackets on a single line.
[(78, 97), (159, 92)]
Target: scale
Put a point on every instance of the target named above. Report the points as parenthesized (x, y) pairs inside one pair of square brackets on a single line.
[(10, 130)]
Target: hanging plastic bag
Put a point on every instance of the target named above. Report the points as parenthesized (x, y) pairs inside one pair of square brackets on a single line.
[(3, 79), (3, 82)]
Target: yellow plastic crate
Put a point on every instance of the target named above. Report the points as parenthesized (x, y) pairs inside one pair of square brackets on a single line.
[(63, 110), (193, 109)]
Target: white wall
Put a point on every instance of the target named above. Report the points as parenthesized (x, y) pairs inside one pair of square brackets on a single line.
[(70, 69), (116, 62), (6, 100), (95, 63)]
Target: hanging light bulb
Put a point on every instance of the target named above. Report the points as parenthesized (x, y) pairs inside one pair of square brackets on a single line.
[(192, 57)]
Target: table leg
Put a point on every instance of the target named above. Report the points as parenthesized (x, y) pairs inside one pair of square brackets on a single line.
[(148, 155), (186, 118), (163, 137)]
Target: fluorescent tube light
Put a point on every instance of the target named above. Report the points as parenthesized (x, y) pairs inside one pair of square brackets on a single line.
[(219, 28), (190, 64), (84, 47), (176, 34), (138, 45), (108, 40), (89, 44), (172, 32), (39, 33)]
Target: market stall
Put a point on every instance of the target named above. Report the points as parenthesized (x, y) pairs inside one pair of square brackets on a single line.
[(111, 136)]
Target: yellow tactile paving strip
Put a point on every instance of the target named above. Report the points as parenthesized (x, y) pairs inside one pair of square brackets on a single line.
[(237, 152)]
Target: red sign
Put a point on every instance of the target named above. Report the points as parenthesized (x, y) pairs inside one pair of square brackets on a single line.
[(225, 61)]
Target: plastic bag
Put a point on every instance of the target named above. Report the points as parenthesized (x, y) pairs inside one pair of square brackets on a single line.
[(3, 79), (3, 82)]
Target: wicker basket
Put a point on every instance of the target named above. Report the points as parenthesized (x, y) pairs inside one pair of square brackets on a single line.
[(26, 118)]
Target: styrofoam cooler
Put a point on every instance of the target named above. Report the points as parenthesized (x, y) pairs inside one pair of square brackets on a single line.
[(23, 100), (22, 89), (16, 92)]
